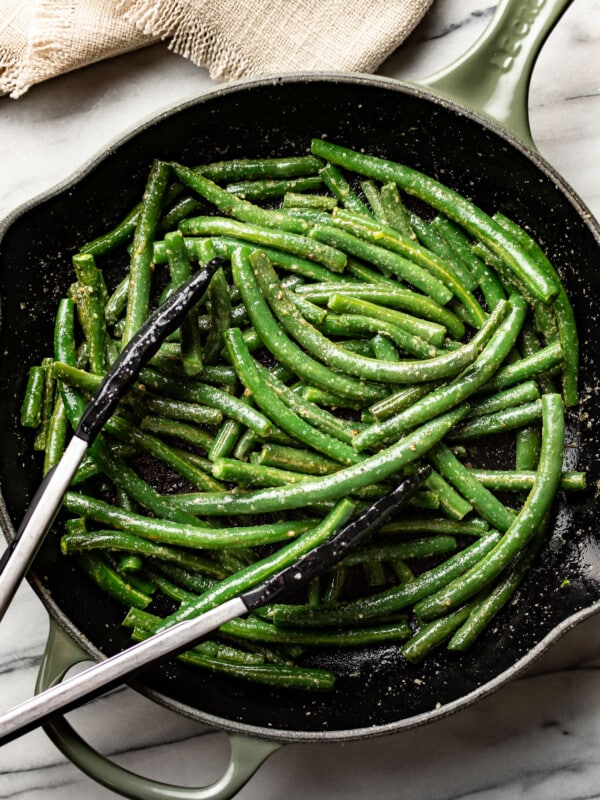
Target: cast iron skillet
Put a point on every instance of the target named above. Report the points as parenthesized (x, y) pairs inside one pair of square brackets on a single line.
[(376, 691)]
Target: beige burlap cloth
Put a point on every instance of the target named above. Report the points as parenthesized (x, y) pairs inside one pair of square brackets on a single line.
[(40, 39)]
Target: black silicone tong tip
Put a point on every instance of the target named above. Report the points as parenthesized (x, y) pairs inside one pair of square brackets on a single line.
[(321, 558), (141, 348)]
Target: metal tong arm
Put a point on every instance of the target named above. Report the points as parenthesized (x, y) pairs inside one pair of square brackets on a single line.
[(40, 515)]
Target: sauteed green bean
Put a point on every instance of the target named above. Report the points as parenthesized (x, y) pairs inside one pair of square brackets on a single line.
[(354, 334)]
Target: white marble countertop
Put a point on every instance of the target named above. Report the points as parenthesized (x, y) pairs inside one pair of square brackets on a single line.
[(538, 737)]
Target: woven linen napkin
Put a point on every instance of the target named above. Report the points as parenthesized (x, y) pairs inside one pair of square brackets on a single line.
[(40, 39)]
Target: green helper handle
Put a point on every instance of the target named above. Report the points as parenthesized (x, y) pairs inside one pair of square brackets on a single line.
[(246, 754), (492, 77)]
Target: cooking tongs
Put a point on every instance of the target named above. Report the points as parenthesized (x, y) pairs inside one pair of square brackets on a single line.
[(21, 551), (173, 640)]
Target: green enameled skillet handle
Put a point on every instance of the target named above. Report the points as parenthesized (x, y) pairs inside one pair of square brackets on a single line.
[(246, 754), (493, 76)]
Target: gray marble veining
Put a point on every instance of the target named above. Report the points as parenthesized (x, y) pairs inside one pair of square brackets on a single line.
[(537, 738)]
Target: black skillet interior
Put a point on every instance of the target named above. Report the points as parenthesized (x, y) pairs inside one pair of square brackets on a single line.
[(376, 690)]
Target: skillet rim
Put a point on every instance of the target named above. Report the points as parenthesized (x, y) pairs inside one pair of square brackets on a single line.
[(403, 87)]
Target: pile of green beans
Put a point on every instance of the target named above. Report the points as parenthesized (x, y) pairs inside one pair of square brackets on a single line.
[(347, 340)]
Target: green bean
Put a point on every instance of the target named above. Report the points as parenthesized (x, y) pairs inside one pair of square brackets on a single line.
[(247, 441), (141, 258), (394, 213), (460, 388), (117, 302), (168, 360), (451, 502), (251, 474), (225, 440), (279, 412), (312, 394), (392, 297), (181, 535), (204, 394), (371, 470), (358, 271), (525, 392), (182, 208), (130, 563), (434, 633), (211, 396), (335, 356), (256, 630), (191, 582), (64, 350), (309, 311), (565, 319), (527, 447), (289, 262), (279, 345), (31, 408), (519, 480), (339, 428), (133, 485), (371, 192), (179, 265), (474, 526), (238, 169), (118, 235), (382, 348), (122, 541), (220, 315), (93, 295), (355, 612), (179, 430), (414, 548), (111, 582), (56, 436), (529, 344), (490, 286), (432, 332), (526, 368), (398, 401), (339, 187), (282, 675), (543, 316), (500, 421), (422, 258), (524, 525), (430, 236), (381, 257), (265, 188), (295, 460), (137, 436), (489, 606), (359, 324), (89, 469), (287, 241), (448, 202), (336, 580), (484, 502), (234, 206), (177, 409), (255, 474), (319, 201)]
